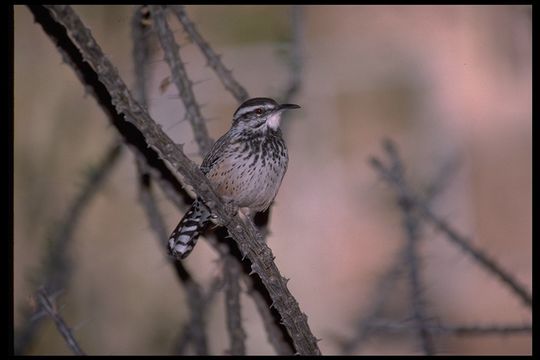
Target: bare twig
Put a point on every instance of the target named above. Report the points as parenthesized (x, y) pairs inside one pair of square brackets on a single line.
[(295, 50), (197, 332), (456, 330), (47, 305), (56, 269), (180, 78), (274, 331), (141, 53), (213, 59), (463, 242), (410, 224), (243, 232), (237, 334), (186, 334)]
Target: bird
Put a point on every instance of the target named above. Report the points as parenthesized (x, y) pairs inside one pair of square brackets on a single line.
[(245, 166)]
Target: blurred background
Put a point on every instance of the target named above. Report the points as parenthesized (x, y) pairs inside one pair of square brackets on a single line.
[(449, 84)]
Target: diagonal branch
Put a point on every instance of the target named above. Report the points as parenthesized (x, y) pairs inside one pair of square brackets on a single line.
[(213, 59), (243, 232)]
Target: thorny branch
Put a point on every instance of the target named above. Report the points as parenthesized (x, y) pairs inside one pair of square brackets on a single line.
[(180, 78), (197, 334), (231, 269), (463, 242), (244, 233), (386, 282), (186, 335), (193, 289), (276, 332), (213, 59), (50, 308), (56, 261), (411, 226)]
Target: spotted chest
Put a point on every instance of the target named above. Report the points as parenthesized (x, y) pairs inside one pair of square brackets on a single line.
[(250, 172)]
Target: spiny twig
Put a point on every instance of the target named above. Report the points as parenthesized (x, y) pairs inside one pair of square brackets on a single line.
[(196, 305), (410, 224), (56, 262), (243, 232), (295, 50), (47, 305), (386, 282), (213, 59), (275, 332), (231, 269), (197, 333), (233, 272), (141, 53), (180, 78), (463, 242), (186, 333)]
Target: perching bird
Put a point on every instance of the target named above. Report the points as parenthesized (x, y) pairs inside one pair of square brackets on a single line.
[(245, 166)]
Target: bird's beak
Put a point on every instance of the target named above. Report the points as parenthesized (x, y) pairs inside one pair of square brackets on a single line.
[(287, 107)]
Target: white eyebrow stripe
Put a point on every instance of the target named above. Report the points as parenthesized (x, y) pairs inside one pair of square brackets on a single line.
[(251, 108)]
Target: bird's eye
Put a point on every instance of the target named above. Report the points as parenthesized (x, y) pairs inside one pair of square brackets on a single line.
[(259, 111)]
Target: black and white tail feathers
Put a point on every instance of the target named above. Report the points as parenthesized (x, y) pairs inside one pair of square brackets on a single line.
[(185, 235)]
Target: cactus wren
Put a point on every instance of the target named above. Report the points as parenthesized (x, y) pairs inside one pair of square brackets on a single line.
[(245, 167)]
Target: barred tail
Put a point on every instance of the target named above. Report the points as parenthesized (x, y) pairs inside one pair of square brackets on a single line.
[(185, 235)]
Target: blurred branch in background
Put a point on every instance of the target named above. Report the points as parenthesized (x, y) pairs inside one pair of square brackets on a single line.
[(452, 235), (249, 241), (385, 326), (412, 232), (295, 56), (56, 269), (401, 262), (232, 270), (48, 305), (196, 303), (413, 211), (213, 59)]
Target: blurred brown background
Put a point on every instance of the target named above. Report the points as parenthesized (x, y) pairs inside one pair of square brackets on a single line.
[(445, 82)]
